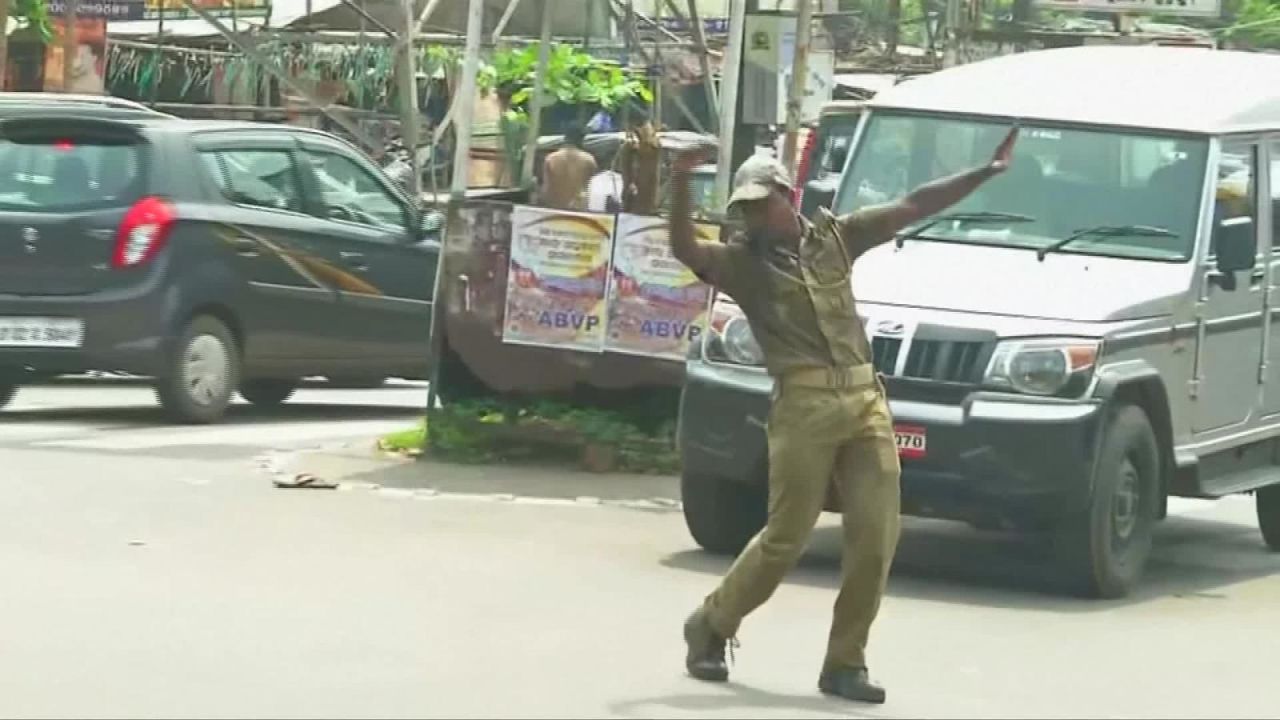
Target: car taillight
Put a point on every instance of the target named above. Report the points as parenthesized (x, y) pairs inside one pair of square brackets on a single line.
[(806, 156), (143, 232)]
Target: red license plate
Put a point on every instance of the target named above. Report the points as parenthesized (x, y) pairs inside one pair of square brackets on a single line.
[(911, 441)]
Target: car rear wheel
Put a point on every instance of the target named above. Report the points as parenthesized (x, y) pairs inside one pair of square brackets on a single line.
[(266, 392), (1104, 548), (722, 515), (203, 373), (1268, 506), (7, 392)]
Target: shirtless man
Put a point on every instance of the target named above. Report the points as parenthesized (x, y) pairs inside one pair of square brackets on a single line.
[(566, 173)]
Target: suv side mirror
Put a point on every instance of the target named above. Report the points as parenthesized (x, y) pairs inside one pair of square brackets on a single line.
[(1236, 246)]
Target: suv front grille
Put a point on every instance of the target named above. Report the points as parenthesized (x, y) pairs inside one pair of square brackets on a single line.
[(884, 354), (942, 360)]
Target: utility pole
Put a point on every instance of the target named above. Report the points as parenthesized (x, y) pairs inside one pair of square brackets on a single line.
[(730, 74), (799, 79), (409, 116), (69, 44)]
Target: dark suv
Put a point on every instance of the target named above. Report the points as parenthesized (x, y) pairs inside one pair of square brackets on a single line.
[(210, 256)]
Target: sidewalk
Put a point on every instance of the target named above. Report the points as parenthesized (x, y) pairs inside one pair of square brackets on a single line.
[(357, 465)]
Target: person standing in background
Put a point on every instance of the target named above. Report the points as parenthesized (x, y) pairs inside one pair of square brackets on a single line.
[(567, 172)]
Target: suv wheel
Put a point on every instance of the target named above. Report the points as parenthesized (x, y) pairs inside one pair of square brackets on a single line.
[(7, 392), (1268, 505), (721, 514), (266, 392), (1104, 548), (203, 373)]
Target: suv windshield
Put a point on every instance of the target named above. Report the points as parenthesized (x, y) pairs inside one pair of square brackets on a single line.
[(1065, 179)]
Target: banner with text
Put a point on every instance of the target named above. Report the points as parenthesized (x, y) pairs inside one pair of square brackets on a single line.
[(558, 279), (657, 306)]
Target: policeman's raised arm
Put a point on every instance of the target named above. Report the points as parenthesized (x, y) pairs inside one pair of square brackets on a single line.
[(871, 226), (706, 259)]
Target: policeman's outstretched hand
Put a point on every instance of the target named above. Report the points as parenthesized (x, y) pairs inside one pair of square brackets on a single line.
[(1004, 154), (691, 157)]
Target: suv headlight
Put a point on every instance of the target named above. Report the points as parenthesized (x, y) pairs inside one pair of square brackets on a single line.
[(730, 339), (1060, 367)]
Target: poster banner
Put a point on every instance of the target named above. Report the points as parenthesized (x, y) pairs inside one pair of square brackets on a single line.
[(558, 278), (89, 63), (178, 10), (657, 306)]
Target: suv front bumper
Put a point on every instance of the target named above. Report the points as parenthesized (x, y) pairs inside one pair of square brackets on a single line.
[(990, 458)]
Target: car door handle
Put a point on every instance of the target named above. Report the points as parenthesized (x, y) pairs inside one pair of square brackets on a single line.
[(1257, 277), (354, 259), (245, 247)]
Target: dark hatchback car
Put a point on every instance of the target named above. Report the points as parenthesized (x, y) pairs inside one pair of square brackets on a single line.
[(210, 256)]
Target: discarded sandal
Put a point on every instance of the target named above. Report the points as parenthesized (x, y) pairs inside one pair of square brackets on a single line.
[(306, 480)]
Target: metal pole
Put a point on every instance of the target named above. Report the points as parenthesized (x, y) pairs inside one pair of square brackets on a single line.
[(466, 99), (662, 69), (506, 18), (535, 103), (69, 43), (952, 19), (159, 52), (708, 82), (4, 44), (426, 12), (409, 131), (729, 100), (799, 79)]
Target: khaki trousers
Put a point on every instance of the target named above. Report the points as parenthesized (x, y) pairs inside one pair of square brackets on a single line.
[(817, 432)]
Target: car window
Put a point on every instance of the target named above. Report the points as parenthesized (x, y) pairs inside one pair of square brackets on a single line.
[(350, 193), (1236, 192), (261, 178), (60, 174)]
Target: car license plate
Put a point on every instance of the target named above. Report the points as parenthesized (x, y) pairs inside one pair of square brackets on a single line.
[(41, 332), (911, 441)]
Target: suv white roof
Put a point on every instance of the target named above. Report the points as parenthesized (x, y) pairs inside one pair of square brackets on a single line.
[(1165, 88)]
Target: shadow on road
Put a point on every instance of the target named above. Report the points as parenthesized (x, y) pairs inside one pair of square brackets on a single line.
[(741, 697), (952, 563), (153, 417)]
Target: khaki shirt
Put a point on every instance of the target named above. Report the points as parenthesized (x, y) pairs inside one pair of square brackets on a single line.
[(801, 307)]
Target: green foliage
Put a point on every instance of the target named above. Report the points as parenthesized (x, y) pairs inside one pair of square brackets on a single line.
[(489, 430), (32, 13), (572, 78), (1257, 24)]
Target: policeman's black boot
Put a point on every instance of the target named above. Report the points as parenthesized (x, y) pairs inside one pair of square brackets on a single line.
[(851, 684), (705, 657)]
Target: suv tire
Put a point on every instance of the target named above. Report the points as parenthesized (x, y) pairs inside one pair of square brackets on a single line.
[(722, 515), (1267, 500), (1104, 547), (267, 392), (7, 392), (203, 372)]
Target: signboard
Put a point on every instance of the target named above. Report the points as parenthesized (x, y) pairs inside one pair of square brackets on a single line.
[(766, 71), (1185, 8), (657, 307), (558, 278), (177, 10), (103, 9)]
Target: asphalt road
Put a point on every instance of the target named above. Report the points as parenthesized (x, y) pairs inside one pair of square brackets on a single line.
[(152, 570)]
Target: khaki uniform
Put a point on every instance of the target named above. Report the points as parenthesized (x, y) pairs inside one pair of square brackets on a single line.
[(828, 419)]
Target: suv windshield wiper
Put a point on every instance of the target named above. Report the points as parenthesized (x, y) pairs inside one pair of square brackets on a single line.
[(960, 217), (1102, 232)]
